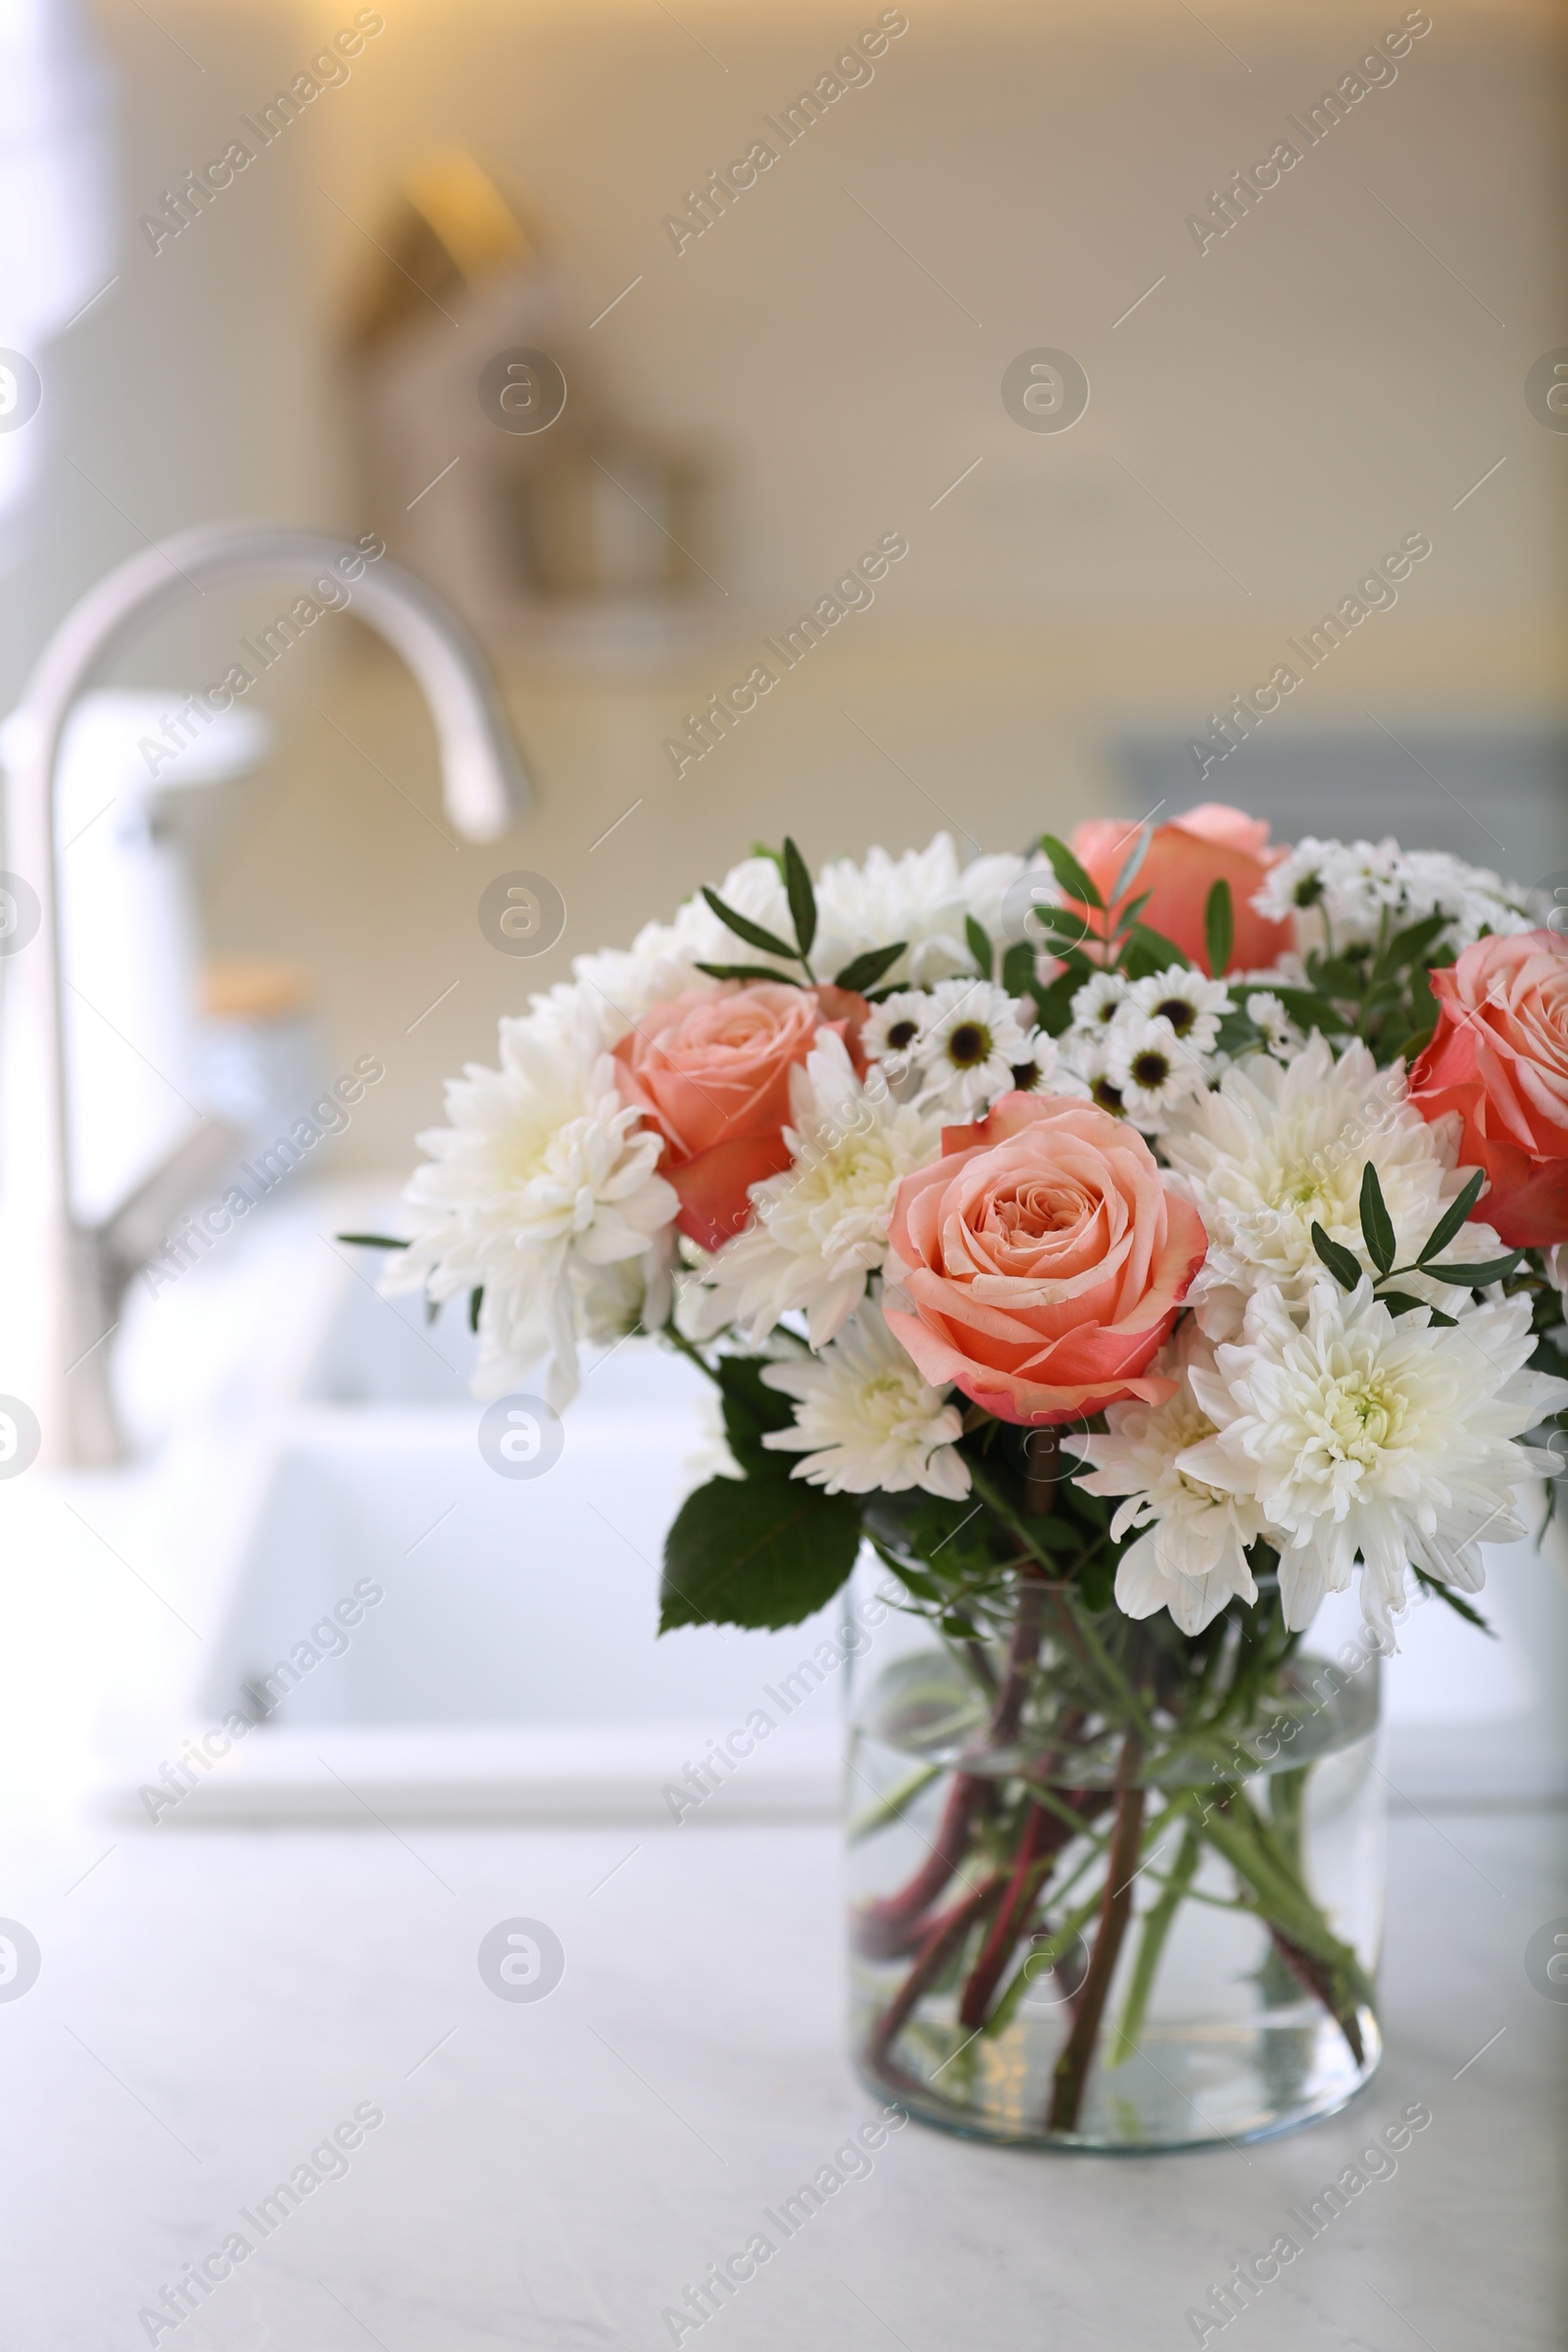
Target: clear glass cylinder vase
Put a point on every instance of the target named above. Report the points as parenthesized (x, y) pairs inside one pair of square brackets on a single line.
[(1129, 1925)]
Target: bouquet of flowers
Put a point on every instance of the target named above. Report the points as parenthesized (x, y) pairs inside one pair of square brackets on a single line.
[(1132, 1243)]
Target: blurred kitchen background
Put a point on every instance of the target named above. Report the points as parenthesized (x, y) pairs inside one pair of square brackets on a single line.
[(750, 407)]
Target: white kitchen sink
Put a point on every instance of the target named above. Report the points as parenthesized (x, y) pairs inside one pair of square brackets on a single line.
[(408, 1631)]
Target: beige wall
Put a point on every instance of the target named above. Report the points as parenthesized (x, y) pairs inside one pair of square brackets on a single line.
[(1315, 385)]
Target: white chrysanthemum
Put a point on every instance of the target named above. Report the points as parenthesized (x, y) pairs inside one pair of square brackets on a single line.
[(1359, 1435), (1274, 1150), (754, 888), (866, 1420), (1361, 889), (972, 1042), (617, 986), (1189, 1001), (543, 1193), (1098, 1002), (822, 1226), (923, 896), (1192, 1557), (1151, 1068), (1265, 1011)]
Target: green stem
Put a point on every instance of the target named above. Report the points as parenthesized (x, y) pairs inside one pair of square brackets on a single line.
[(1151, 1943)]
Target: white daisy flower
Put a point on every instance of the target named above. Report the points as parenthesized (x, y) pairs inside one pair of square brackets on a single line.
[(1085, 1068), (1099, 1000), (820, 1227), (893, 1033), (971, 1042), (1190, 1557), (1274, 1150), (543, 1182), (1266, 1012), (1151, 1069), (1353, 893), (1041, 1067), (1192, 1002), (1362, 1437), (864, 1419)]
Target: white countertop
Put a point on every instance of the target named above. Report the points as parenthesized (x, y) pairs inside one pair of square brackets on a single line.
[(555, 2174)]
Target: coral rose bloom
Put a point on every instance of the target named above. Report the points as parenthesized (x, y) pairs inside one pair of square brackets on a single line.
[(1500, 1058), (1044, 1260), (1184, 860), (711, 1070)]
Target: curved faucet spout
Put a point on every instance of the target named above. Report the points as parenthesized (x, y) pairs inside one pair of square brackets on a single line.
[(56, 1348)]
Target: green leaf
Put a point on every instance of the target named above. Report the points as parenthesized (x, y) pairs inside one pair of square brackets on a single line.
[(1018, 968), (371, 1241), (475, 1303), (1460, 1607), (1219, 928), (1053, 1004), (1410, 944), (1097, 1584), (1491, 1269), (864, 971), (760, 1551), (1454, 1216), (802, 897), (749, 971), (744, 928), (1135, 858), (1311, 1012), (1399, 1302), (1377, 1226), (980, 948), (750, 1411), (1153, 951), (1069, 873), (1344, 1268), (1339, 978)]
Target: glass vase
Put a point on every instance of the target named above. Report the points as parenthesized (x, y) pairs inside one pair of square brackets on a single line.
[(1111, 1888)]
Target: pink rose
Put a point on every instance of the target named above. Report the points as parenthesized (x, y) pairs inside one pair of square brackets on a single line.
[(1183, 863), (1500, 1058), (1044, 1260), (711, 1070)]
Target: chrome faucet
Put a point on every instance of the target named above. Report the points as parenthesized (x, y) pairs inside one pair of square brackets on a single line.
[(61, 1281)]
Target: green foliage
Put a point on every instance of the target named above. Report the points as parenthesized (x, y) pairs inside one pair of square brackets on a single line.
[(1377, 1226), (1219, 928), (371, 1241), (1148, 951), (801, 897), (1344, 1268), (863, 972), (1069, 873), (980, 948), (754, 934), (749, 971), (765, 1550), (1491, 1269), (1454, 1216), (1018, 968), (751, 1411)]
